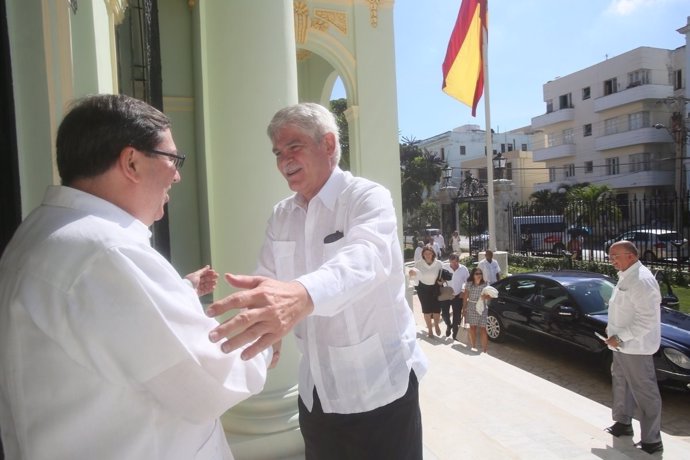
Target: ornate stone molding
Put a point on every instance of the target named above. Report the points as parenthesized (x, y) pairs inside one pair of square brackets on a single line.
[(336, 18), (301, 12), (374, 12), (116, 8), (303, 55)]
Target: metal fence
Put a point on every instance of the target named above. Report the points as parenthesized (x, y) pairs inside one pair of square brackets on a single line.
[(659, 226)]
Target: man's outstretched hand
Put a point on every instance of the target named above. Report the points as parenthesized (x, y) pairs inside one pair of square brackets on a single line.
[(203, 280), (270, 309)]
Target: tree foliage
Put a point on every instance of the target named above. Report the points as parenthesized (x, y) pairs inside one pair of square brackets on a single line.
[(338, 107), (420, 170)]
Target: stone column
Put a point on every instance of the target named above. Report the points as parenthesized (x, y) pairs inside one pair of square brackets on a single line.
[(246, 70)]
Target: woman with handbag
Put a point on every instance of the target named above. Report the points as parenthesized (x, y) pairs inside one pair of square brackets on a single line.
[(475, 310), (425, 275)]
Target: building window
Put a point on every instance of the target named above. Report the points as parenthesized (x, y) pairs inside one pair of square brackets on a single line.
[(610, 86), (551, 140), (503, 148), (586, 94), (443, 153), (565, 101), (678, 79), (589, 167), (587, 130), (524, 147), (610, 126), (549, 106), (638, 77), (552, 174), (463, 150), (568, 137), (612, 166), (638, 120), (569, 170), (640, 162), (510, 147), (508, 173)]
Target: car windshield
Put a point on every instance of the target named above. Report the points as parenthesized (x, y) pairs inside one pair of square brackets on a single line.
[(592, 295)]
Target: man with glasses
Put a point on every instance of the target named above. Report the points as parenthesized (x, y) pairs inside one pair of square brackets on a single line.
[(103, 346), (634, 334)]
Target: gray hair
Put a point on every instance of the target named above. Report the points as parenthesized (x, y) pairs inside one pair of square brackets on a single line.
[(628, 247), (314, 119)]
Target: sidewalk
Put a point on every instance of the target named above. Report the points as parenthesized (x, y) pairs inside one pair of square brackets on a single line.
[(478, 407)]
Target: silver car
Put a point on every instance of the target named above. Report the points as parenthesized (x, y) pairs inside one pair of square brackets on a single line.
[(655, 244)]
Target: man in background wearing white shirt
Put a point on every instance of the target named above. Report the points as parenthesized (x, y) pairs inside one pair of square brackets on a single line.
[(634, 335), (331, 267), (460, 275), (489, 267)]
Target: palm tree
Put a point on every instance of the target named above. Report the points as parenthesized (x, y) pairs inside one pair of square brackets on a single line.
[(591, 204)]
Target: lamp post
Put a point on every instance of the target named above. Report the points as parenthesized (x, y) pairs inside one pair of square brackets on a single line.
[(680, 135), (499, 162)]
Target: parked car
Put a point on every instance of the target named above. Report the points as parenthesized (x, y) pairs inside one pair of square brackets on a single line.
[(654, 244), (571, 306)]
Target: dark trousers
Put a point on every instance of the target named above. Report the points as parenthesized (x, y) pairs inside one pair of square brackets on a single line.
[(393, 431), (456, 305)]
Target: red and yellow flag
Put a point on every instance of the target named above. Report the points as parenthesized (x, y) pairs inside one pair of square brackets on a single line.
[(463, 69)]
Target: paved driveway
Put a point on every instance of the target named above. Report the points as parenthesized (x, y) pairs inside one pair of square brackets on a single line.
[(584, 376)]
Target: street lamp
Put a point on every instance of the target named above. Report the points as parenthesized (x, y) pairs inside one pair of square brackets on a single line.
[(680, 136), (499, 162), (447, 175)]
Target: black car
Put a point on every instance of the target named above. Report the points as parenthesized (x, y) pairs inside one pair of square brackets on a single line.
[(571, 306)]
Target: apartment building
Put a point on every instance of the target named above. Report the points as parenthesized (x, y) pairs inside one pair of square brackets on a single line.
[(521, 169), (468, 142), (611, 124)]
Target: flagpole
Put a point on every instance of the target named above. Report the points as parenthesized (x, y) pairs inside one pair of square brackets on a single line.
[(491, 211)]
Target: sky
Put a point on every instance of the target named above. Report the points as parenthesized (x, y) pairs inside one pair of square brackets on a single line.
[(530, 43)]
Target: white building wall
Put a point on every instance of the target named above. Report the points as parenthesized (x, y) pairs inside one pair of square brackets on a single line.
[(599, 122)]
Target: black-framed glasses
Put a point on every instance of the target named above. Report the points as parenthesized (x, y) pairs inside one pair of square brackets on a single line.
[(177, 158)]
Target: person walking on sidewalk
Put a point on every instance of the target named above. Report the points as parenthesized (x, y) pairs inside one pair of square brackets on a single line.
[(489, 267), (634, 335), (476, 319), (460, 275), (424, 276)]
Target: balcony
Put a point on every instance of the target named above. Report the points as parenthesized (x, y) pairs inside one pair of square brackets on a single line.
[(654, 179), (630, 95), (633, 137), (551, 153), (552, 118)]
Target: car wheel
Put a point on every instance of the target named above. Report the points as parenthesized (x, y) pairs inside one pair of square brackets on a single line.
[(494, 328)]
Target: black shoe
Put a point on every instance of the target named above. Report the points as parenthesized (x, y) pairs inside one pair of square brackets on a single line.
[(447, 331), (650, 447), (620, 429)]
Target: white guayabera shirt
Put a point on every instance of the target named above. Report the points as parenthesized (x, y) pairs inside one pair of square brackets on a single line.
[(104, 349), (358, 345)]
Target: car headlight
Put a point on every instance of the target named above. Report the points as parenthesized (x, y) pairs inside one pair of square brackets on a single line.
[(677, 358)]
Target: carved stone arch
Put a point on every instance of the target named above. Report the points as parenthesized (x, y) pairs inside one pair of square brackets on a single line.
[(339, 57)]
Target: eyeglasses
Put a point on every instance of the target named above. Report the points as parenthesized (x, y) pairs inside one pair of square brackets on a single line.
[(177, 158)]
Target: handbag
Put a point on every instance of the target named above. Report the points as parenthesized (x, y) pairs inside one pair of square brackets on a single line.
[(445, 293)]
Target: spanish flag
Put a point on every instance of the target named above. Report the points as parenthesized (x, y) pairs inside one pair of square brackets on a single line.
[(463, 67)]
